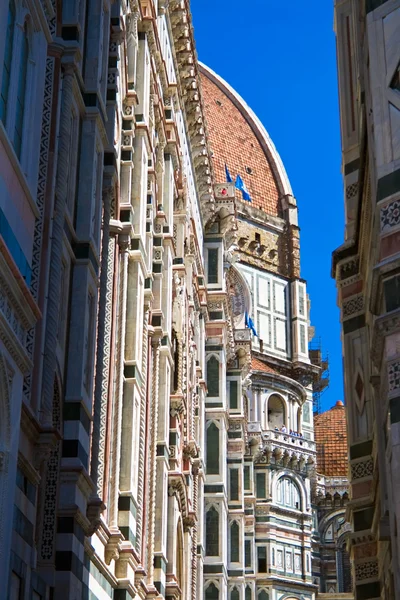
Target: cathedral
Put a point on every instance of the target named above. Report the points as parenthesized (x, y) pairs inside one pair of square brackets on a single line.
[(366, 269), (159, 434)]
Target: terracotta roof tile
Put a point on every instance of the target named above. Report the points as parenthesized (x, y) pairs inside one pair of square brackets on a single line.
[(259, 365), (234, 142), (331, 439)]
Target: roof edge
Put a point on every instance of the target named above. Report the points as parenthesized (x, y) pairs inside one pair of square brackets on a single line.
[(258, 129)]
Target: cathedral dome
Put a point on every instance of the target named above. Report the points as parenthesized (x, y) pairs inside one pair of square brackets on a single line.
[(330, 430), (239, 140)]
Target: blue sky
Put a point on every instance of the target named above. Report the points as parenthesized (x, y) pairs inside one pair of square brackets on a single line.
[(280, 56)]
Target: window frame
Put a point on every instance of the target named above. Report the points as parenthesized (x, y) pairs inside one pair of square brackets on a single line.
[(280, 491), (8, 50), (215, 510), (27, 156), (217, 426)]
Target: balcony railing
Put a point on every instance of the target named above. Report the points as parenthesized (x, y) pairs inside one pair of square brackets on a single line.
[(292, 441)]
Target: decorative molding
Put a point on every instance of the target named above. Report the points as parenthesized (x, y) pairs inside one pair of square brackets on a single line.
[(366, 570), (352, 307), (362, 469), (390, 216), (394, 375), (351, 191), (348, 271)]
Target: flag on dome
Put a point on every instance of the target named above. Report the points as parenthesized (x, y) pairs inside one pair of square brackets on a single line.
[(239, 184), (228, 175), (248, 321)]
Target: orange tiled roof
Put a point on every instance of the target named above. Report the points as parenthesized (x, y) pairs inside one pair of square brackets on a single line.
[(259, 365), (331, 439), (234, 142)]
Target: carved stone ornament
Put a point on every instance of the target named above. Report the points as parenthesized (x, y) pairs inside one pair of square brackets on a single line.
[(93, 512), (113, 547)]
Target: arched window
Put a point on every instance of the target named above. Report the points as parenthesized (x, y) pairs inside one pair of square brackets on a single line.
[(213, 377), (5, 82), (276, 412), (235, 542), (21, 93), (212, 592), (179, 556), (212, 532), (212, 450), (248, 594), (263, 595), (287, 493), (235, 594)]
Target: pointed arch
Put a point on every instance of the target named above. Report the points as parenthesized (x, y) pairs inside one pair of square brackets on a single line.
[(179, 571), (212, 531), (212, 448), (235, 595), (212, 592), (213, 376), (234, 541)]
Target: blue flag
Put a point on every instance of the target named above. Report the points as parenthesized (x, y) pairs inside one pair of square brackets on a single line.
[(228, 175), (248, 321), (239, 184)]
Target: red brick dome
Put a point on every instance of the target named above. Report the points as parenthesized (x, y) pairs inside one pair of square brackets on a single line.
[(239, 140), (330, 430)]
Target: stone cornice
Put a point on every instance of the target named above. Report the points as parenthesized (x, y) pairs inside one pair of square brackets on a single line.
[(189, 89)]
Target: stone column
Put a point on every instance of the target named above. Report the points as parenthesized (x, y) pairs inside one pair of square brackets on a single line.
[(195, 473), (153, 460), (123, 241), (103, 349), (142, 440)]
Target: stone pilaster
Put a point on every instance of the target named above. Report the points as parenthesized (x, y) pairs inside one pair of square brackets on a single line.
[(53, 297), (153, 460), (123, 242), (142, 439), (103, 349)]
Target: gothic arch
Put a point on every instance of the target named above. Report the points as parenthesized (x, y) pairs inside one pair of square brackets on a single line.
[(179, 571), (211, 591), (213, 446), (212, 530), (234, 541), (234, 594), (213, 375)]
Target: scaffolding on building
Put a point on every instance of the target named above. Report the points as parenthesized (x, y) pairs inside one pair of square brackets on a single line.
[(321, 382)]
